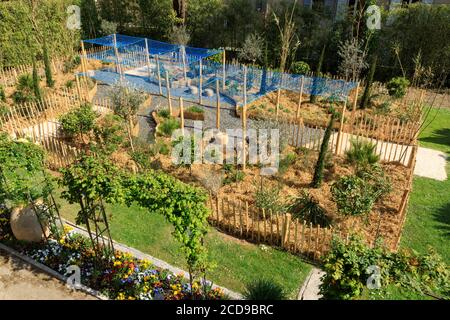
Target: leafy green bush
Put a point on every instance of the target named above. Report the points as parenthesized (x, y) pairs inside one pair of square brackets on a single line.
[(264, 289), (362, 154), (305, 207), (79, 121), (2, 94), (353, 195), (300, 67), (195, 109), (347, 271), (286, 162), (232, 174), (69, 84), (110, 133), (168, 126), (71, 63), (397, 87), (24, 89), (268, 198), (164, 113)]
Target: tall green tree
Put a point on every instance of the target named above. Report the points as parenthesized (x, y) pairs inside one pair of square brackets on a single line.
[(320, 164), (369, 82), (90, 20), (47, 65), (36, 86), (317, 75)]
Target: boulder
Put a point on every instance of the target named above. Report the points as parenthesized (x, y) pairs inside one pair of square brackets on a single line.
[(25, 224), (209, 92), (193, 90)]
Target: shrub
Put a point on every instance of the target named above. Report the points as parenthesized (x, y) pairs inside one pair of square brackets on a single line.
[(232, 174), (286, 162), (362, 154), (268, 198), (300, 67), (79, 121), (109, 133), (347, 274), (69, 84), (397, 87), (164, 113), (353, 195), (264, 289), (167, 127), (71, 63), (195, 109), (24, 89), (2, 94), (305, 207)]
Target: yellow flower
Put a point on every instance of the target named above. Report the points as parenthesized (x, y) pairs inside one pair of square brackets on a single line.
[(117, 263), (121, 296)]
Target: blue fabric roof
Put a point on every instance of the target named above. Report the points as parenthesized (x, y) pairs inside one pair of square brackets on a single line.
[(155, 47)]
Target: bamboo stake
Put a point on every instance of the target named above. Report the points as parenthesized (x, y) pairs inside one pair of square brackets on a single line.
[(355, 101), (341, 127), (278, 102), (147, 58), (200, 82), (218, 105), (244, 122), (169, 98), (223, 70), (159, 75), (300, 97), (182, 116)]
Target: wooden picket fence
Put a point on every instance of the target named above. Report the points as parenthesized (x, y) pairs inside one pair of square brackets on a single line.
[(240, 219), (9, 76), (21, 118), (393, 140)]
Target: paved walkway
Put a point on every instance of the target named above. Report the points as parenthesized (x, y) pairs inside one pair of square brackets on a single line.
[(310, 288), (431, 164), (21, 281)]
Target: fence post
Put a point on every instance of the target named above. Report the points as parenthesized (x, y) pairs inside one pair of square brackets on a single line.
[(159, 75), (341, 126), (168, 93), (355, 102), (244, 122), (224, 70), (218, 105), (182, 116), (286, 224), (278, 102), (300, 97), (200, 82)]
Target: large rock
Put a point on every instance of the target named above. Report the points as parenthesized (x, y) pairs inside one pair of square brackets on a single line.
[(25, 224), (209, 92), (193, 90)]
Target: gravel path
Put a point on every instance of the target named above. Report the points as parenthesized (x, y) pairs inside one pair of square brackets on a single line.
[(21, 281)]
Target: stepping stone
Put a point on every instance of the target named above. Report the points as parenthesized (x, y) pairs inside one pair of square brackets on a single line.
[(193, 90), (209, 92)]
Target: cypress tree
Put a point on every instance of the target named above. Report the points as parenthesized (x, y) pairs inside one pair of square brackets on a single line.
[(368, 87), (48, 69), (320, 164), (318, 72), (36, 88)]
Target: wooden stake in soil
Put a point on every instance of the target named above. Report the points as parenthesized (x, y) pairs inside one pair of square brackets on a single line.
[(147, 58), (300, 97), (355, 101), (278, 102), (159, 75), (200, 82), (168, 93), (182, 116), (218, 105), (244, 123), (224, 70), (341, 127)]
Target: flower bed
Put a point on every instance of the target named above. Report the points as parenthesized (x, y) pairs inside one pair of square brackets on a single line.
[(123, 277)]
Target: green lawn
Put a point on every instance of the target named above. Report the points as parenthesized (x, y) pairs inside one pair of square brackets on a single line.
[(428, 219), (436, 133), (237, 262)]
